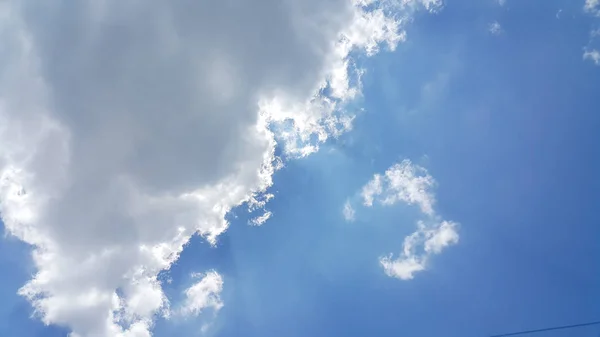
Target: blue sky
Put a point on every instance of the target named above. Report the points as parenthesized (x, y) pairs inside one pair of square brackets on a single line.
[(505, 123)]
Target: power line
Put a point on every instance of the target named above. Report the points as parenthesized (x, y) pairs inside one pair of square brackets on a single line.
[(548, 329)]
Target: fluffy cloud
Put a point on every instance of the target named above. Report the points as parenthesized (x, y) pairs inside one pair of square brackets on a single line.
[(411, 184), (401, 182), (126, 127), (432, 239), (203, 294)]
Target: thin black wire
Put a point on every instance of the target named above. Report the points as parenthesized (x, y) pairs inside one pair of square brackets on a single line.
[(548, 329)]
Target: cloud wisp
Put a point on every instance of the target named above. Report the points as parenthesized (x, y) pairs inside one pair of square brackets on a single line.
[(495, 28), (412, 185), (348, 211), (591, 51), (592, 55)]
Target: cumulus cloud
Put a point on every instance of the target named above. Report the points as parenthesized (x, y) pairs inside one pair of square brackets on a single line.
[(401, 182), (204, 294), (410, 184), (126, 127)]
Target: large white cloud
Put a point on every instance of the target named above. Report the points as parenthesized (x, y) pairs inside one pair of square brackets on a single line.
[(127, 126), (411, 184)]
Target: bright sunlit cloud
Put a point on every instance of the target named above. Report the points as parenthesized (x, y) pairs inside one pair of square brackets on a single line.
[(127, 127)]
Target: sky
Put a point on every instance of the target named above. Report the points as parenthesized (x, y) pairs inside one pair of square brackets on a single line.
[(294, 168)]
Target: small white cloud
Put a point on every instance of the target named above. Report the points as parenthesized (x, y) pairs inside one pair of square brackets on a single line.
[(418, 247), (401, 182), (593, 55), (403, 269), (260, 220), (348, 211), (589, 53), (432, 5), (592, 7), (501, 2), (495, 28), (410, 184), (205, 294), (441, 237)]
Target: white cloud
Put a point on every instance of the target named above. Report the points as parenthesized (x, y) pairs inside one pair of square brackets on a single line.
[(204, 294), (501, 2), (410, 184), (592, 55), (372, 189), (432, 239), (592, 7), (494, 28), (589, 53), (126, 127), (430, 5), (403, 269), (262, 219), (348, 211), (442, 236), (401, 182)]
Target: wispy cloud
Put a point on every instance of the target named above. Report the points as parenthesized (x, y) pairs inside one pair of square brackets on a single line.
[(262, 219), (593, 55), (495, 28), (592, 7), (418, 247), (590, 51), (410, 184), (558, 13), (348, 211)]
